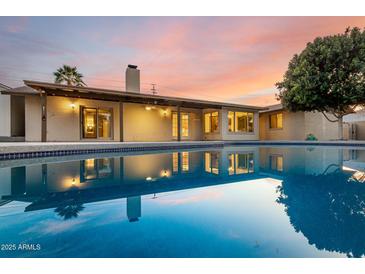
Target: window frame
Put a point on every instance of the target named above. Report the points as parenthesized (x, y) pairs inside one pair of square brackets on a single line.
[(210, 115), (111, 110), (276, 117), (234, 126), (98, 177), (173, 113)]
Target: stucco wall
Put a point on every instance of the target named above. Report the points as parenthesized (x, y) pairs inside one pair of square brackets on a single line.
[(319, 126), (297, 125), (63, 121), (32, 118), (155, 124), (293, 127), (5, 115)]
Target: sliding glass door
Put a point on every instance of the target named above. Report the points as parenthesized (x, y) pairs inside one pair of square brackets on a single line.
[(96, 123)]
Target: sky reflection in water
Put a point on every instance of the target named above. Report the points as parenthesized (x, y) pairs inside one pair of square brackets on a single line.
[(231, 202)]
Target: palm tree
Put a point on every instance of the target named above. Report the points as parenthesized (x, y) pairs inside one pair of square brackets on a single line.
[(70, 75), (71, 209)]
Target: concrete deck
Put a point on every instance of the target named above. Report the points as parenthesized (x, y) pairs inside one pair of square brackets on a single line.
[(22, 147)]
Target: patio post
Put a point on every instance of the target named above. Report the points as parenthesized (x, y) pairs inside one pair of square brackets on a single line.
[(178, 124), (43, 116)]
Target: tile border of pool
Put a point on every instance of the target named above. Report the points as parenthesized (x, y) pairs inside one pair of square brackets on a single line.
[(14, 151)]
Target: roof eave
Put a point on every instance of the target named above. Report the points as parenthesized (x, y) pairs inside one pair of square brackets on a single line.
[(120, 94)]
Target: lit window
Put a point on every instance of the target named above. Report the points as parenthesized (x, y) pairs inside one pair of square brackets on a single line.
[(174, 124), (185, 161), (276, 120), (211, 162), (96, 123), (184, 124), (104, 123), (230, 121), (89, 123), (240, 163), (92, 169), (211, 122), (240, 121), (276, 162), (175, 162)]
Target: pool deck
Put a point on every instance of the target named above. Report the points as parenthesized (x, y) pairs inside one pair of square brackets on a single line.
[(16, 148)]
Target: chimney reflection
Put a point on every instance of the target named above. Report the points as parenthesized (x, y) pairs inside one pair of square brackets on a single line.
[(134, 208)]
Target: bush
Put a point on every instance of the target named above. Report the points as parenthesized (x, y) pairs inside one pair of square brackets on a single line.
[(311, 137)]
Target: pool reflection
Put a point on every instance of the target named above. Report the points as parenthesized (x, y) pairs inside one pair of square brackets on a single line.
[(322, 190)]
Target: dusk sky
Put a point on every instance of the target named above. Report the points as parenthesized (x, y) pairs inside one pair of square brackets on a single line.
[(233, 59)]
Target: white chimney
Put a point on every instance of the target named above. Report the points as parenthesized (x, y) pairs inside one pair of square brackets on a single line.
[(132, 81)]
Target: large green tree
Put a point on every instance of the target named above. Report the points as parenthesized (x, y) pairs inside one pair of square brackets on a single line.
[(69, 75), (327, 76)]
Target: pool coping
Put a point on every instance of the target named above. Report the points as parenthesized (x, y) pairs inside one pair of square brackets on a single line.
[(20, 150)]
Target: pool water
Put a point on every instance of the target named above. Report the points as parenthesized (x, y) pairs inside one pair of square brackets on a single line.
[(229, 202)]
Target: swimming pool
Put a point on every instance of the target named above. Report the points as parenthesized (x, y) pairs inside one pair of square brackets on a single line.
[(238, 201)]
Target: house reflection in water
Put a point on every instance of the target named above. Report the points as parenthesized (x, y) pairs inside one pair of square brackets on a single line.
[(322, 190), (69, 185)]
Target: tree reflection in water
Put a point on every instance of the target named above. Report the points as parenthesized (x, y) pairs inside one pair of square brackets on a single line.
[(70, 209), (328, 209)]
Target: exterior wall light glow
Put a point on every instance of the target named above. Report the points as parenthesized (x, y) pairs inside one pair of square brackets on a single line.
[(72, 106), (149, 179), (148, 108)]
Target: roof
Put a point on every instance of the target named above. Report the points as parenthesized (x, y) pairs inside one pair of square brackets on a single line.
[(52, 89), (24, 90), (272, 108), (4, 87)]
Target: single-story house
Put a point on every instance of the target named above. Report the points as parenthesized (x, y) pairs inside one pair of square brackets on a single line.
[(55, 112), (276, 123)]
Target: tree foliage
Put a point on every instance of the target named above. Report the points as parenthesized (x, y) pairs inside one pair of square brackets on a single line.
[(69, 75), (327, 76)]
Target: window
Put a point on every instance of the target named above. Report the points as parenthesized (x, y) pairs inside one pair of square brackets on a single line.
[(276, 120), (211, 162), (211, 122), (92, 169), (174, 124), (104, 123), (175, 162), (184, 162), (276, 162), (184, 124), (240, 121), (89, 121), (96, 123), (240, 163)]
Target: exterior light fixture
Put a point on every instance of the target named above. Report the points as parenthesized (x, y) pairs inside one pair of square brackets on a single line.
[(72, 105), (73, 181), (165, 173), (149, 179), (148, 108)]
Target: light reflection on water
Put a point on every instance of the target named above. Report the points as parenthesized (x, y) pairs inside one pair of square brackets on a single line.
[(230, 202)]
